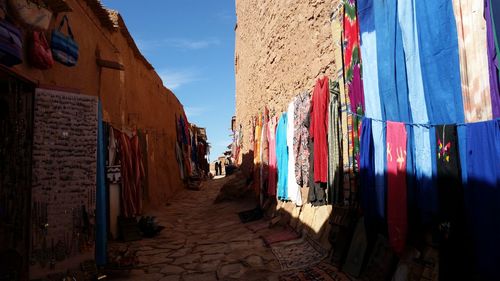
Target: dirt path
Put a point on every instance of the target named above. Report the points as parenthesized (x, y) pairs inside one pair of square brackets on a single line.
[(203, 241)]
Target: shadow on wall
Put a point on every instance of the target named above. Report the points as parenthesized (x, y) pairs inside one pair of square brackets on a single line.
[(447, 228)]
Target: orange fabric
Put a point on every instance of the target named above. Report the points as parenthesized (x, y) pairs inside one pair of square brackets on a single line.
[(132, 172)]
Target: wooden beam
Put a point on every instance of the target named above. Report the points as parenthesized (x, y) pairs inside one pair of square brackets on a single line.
[(110, 64), (14, 72), (59, 88)]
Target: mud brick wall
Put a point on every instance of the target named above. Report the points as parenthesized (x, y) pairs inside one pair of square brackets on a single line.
[(282, 47)]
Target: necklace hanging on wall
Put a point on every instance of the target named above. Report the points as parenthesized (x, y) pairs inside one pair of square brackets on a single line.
[(68, 241)]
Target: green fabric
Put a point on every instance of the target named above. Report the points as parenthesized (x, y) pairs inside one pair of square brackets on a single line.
[(494, 33), (334, 141)]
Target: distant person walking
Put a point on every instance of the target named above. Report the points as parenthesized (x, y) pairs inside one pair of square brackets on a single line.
[(217, 168), (220, 168)]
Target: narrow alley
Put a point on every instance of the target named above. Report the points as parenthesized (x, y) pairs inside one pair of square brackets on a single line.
[(203, 240), (253, 140)]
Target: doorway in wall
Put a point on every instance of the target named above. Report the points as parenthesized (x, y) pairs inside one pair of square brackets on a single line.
[(16, 139)]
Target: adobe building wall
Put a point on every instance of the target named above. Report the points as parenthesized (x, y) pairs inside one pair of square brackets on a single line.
[(282, 48), (133, 98)]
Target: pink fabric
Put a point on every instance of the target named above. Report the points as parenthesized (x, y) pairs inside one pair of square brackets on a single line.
[(280, 236), (396, 185), (356, 93), (318, 128), (271, 137)]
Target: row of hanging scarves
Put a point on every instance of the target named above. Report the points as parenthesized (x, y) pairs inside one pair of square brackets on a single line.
[(183, 146), (190, 150), (425, 63), (291, 149)]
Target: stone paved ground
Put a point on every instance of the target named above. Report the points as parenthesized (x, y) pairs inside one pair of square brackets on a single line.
[(203, 241)]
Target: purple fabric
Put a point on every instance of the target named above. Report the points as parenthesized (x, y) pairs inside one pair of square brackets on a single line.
[(356, 94), (492, 61)]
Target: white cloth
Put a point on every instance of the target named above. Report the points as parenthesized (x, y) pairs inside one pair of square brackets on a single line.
[(293, 188)]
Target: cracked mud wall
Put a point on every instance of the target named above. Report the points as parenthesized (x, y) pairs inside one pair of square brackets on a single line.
[(282, 47)]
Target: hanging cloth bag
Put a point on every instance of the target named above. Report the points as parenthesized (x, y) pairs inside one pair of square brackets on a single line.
[(40, 54), (11, 44), (31, 13), (64, 47)]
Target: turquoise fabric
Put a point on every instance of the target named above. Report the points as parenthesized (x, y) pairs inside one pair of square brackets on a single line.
[(282, 157)]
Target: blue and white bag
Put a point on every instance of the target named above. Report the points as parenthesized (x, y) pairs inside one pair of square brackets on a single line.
[(64, 47)]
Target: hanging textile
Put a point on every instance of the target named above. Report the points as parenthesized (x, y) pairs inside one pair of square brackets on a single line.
[(371, 91), (182, 130), (184, 141), (392, 76), (492, 60), (337, 24), (393, 82), (180, 161), (472, 42), (301, 138), (438, 47), (352, 56), (257, 154), (495, 16), (367, 173), (317, 190), (293, 188), (132, 174), (356, 138), (396, 185), (411, 186), (482, 194), (191, 153), (393, 88), (194, 147), (409, 36), (334, 142), (282, 157), (454, 248), (318, 128), (143, 144), (370, 65), (273, 172), (354, 87), (317, 194), (101, 194), (138, 169), (264, 168), (422, 193), (349, 181), (238, 140)]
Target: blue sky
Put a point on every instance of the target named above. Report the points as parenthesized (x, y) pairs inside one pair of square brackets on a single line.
[(190, 43)]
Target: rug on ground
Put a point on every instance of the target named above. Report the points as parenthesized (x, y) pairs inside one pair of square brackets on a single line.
[(299, 253)]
